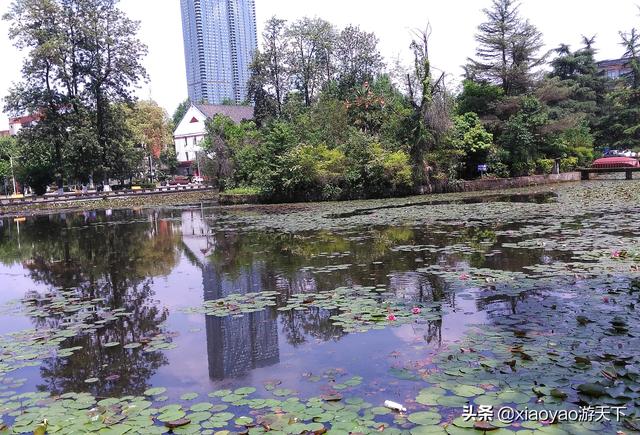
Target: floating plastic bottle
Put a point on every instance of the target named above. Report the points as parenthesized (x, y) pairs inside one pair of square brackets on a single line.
[(395, 406)]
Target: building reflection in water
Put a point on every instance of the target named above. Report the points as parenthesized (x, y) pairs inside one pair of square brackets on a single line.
[(235, 345)]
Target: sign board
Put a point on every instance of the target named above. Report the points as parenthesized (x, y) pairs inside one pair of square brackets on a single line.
[(483, 168)]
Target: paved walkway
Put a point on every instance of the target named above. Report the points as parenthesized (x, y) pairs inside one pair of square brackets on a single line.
[(92, 195)]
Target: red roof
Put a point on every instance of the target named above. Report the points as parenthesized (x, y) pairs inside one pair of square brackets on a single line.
[(616, 162)]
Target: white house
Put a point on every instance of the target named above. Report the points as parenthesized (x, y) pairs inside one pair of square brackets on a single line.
[(192, 130)]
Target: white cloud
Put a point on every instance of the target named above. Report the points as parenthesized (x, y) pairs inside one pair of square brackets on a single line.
[(454, 23)]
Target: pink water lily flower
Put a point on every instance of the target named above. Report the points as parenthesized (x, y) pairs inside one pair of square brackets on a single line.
[(464, 277), (391, 317), (615, 254), (416, 310)]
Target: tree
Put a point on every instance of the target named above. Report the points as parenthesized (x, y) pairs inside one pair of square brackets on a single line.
[(523, 137), (472, 140), (169, 160), (479, 98), (631, 44), (358, 59), (179, 113), (274, 60), (431, 102), (265, 105), (310, 55), (83, 58), (150, 126), (507, 54), (114, 65)]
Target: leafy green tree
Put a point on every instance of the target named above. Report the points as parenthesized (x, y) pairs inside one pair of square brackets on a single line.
[(150, 127), (472, 140), (8, 149), (631, 44), (507, 54), (523, 138), (619, 126), (265, 105), (83, 58), (179, 113), (169, 160), (579, 74), (310, 55), (357, 57), (479, 98), (274, 60)]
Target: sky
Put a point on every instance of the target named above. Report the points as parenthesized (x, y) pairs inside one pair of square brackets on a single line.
[(454, 23)]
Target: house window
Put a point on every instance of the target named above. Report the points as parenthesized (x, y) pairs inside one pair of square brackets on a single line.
[(195, 141), (187, 155)]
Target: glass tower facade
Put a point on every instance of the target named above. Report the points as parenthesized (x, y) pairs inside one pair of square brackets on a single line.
[(220, 39)]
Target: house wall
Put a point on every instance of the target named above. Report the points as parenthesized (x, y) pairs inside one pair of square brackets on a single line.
[(189, 135)]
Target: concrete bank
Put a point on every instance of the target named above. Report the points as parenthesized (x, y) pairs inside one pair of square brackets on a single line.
[(489, 184), (183, 197)]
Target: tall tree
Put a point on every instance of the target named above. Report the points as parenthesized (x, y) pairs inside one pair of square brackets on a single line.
[(35, 26), (507, 54), (113, 67), (631, 44), (83, 58), (431, 103), (310, 55), (274, 59), (358, 59)]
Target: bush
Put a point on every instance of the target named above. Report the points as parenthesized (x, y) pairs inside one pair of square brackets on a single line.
[(523, 168), (545, 166), (244, 190), (568, 164)]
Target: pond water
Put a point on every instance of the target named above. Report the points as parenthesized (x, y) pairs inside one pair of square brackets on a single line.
[(436, 304)]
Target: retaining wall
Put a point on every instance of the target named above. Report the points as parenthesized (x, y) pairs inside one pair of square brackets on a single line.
[(499, 183)]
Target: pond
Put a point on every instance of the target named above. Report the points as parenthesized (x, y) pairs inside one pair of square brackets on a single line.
[(307, 318)]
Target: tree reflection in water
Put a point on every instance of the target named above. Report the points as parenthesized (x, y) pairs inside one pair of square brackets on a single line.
[(114, 262)]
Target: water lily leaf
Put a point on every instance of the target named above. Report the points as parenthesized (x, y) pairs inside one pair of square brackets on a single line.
[(189, 396), (424, 418), (155, 391)]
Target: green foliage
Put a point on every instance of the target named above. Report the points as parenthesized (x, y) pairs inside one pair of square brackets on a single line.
[(545, 166), (478, 97), (508, 46), (179, 113), (82, 61), (522, 137), (471, 142), (169, 160), (620, 124), (243, 190), (568, 164), (8, 148)]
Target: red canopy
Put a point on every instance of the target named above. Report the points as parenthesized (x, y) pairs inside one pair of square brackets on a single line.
[(616, 162)]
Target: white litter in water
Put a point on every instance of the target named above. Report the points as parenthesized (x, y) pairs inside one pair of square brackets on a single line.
[(395, 406)]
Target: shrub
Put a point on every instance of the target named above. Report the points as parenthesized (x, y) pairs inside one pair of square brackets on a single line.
[(545, 166), (243, 190), (568, 164)]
